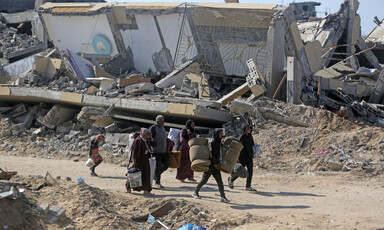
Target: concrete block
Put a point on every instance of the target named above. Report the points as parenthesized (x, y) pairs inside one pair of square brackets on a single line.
[(132, 80), (140, 88), (57, 115), (238, 107), (113, 128), (43, 208), (65, 127), (17, 129), (334, 165), (91, 90), (57, 211), (16, 111), (27, 118)]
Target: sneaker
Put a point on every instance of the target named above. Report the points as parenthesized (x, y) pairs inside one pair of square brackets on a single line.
[(156, 185), (250, 189), (93, 174), (147, 193), (224, 200), (196, 195), (230, 183)]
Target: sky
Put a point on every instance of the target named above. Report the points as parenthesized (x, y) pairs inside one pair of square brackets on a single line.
[(368, 8)]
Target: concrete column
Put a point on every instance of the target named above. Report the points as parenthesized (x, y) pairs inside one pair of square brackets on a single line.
[(275, 55), (353, 32), (294, 78)]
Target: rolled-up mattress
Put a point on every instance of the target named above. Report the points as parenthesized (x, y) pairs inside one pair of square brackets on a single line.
[(200, 165), (198, 149), (198, 141), (199, 154), (229, 154)]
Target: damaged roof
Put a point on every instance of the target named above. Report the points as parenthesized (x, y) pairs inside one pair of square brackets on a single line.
[(74, 7), (86, 7), (377, 34)]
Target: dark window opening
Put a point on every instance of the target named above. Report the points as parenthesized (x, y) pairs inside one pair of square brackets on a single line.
[(22, 28)]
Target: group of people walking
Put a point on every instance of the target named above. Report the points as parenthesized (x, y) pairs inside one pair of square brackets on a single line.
[(153, 143)]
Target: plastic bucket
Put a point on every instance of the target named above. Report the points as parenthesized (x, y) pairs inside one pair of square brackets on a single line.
[(135, 179), (90, 162)]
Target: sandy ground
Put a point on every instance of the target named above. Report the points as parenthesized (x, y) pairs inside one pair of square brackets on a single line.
[(292, 201)]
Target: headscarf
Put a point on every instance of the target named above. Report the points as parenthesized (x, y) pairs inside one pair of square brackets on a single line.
[(188, 125), (245, 128), (216, 135), (143, 132)]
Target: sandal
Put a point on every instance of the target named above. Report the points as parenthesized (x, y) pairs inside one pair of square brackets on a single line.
[(230, 183), (250, 189)]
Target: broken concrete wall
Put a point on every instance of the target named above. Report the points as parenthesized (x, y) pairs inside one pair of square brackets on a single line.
[(93, 33), (227, 37), (154, 37)]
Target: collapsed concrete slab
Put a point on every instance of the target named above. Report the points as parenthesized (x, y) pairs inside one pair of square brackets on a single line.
[(172, 110)]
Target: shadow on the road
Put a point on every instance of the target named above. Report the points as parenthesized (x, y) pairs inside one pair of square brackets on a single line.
[(271, 194), (113, 177), (253, 206)]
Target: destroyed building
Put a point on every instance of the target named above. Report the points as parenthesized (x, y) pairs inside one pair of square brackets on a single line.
[(182, 60)]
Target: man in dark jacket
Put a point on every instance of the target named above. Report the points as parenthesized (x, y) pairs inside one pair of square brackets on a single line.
[(246, 157), (215, 147), (160, 152)]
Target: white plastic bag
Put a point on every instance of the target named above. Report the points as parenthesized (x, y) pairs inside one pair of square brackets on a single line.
[(152, 166), (135, 179), (257, 150), (174, 135), (89, 162)]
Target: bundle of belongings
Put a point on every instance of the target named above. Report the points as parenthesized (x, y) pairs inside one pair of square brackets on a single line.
[(229, 154)]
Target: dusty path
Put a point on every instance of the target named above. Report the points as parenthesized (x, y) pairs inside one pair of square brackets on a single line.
[(308, 201)]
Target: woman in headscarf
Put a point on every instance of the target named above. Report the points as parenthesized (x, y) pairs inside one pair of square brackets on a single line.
[(142, 152), (215, 147), (96, 141), (186, 134), (246, 157)]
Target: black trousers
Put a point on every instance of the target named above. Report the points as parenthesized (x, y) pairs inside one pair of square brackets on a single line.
[(246, 162), (217, 175), (162, 164), (93, 167)]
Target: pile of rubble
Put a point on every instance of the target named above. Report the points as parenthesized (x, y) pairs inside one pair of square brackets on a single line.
[(12, 43), (327, 143), (62, 203)]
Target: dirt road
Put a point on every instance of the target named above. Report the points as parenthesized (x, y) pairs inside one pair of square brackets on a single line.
[(307, 201)]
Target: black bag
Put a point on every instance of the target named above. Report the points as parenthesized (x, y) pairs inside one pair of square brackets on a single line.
[(239, 171)]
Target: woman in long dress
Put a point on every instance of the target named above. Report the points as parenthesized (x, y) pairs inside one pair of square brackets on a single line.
[(186, 134), (142, 152)]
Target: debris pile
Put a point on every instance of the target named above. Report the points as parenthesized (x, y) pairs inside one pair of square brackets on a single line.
[(14, 43), (328, 140), (74, 205)]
